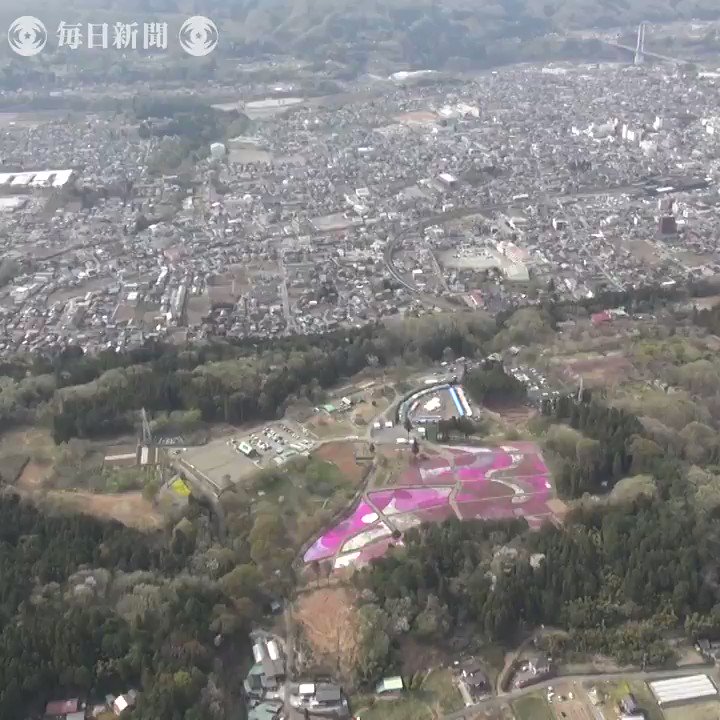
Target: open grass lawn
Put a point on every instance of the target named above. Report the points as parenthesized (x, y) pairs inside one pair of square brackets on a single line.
[(410, 707), (532, 707), (437, 697), (696, 711), (442, 691)]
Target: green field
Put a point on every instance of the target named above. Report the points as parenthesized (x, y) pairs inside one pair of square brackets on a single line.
[(696, 711), (436, 697), (615, 691), (442, 691), (409, 708), (532, 707)]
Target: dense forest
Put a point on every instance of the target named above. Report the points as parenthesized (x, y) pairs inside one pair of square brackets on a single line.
[(603, 454), (614, 578), (90, 607), (491, 384), (595, 445)]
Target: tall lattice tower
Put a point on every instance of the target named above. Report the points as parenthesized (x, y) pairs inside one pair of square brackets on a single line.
[(640, 47)]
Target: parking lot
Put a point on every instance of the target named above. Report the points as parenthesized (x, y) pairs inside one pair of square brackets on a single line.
[(275, 443), (227, 461)]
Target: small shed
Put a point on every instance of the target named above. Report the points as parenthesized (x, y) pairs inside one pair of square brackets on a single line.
[(306, 689), (390, 685), (123, 702)]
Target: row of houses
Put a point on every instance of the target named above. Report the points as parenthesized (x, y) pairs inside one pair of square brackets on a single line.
[(76, 709)]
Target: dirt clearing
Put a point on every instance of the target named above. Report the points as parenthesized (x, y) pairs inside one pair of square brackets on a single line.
[(328, 621), (33, 476), (36, 443), (131, 509), (601, 370), (326, 427), (568, 704), (342, 455)]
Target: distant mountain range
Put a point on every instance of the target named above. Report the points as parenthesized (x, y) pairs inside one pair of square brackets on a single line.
[(372, 35), (433, 34)]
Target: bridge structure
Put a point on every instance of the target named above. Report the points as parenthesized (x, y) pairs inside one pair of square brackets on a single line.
[(640, 53)]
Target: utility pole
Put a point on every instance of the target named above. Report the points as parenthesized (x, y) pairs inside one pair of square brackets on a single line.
[(146, 433)]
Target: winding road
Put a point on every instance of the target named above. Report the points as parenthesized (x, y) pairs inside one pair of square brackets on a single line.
[(643, 675)]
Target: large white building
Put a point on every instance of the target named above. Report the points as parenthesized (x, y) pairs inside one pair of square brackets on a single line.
[(36, 179), (683, 689)]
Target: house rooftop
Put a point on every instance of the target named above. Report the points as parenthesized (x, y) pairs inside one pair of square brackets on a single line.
[(327, 693), (265, 711), (62, 707)]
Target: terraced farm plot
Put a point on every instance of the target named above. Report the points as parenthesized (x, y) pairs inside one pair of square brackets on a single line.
[(342, 455)]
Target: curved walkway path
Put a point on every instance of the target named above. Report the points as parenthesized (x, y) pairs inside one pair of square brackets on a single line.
[(387, 519)]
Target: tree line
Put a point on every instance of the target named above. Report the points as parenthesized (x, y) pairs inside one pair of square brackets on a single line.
[(235, 383), (614, 577), (604, 455)]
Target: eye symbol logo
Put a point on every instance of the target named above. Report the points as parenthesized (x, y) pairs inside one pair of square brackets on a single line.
[(27, 36), (198, 36)]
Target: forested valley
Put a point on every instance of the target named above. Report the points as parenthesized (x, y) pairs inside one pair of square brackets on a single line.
[(83, 396), (614, 580), (244, 381), (93, 607), (89, 607)]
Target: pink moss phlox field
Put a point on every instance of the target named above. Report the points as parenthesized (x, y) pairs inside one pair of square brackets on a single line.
[(472, 483)]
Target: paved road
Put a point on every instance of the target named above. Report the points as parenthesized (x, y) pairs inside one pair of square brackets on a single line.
[(202, 485), (289, 319), (598, 677)]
